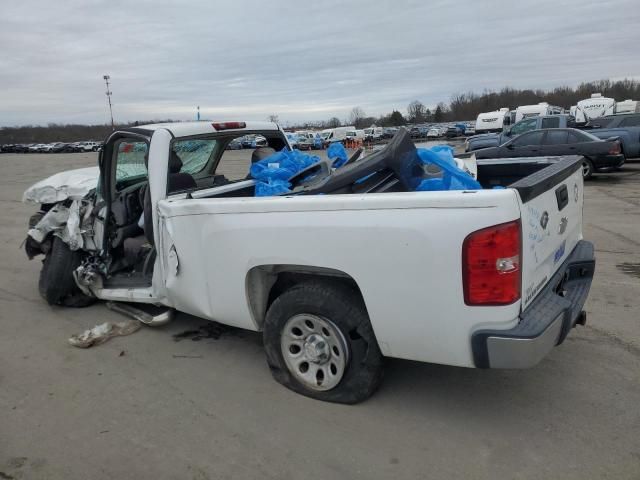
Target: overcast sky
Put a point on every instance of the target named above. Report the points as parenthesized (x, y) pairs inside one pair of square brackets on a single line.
[(300, 60)]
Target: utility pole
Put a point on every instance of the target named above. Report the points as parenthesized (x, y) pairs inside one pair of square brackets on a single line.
[(198, 117), (106, 80)]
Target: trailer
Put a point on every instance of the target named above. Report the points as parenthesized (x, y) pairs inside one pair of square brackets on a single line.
[(493, 122), (595, 107), (542, 108)]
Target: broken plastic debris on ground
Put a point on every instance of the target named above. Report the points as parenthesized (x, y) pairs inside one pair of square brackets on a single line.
[(103, 332)]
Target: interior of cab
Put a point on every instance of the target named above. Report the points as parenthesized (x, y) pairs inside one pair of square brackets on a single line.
[(197, 164)]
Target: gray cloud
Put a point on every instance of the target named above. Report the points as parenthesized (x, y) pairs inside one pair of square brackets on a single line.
[(248, 59)]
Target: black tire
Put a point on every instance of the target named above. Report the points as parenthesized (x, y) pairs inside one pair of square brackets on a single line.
[(587, 168), (56, 284), (343, 306)]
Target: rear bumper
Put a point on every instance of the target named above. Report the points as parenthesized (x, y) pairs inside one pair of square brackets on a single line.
[(608, 162), (546, 322)]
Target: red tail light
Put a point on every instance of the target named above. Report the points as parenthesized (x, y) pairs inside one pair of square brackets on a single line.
[(615, 149), (228, 125), (491, 265)]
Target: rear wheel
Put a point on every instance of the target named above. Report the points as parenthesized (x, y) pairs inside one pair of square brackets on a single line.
[(587, 168), (56, 284), (319, 342)]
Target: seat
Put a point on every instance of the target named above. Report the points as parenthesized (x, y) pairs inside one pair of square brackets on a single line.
[(176, 181), (258, 154), (261, 153)]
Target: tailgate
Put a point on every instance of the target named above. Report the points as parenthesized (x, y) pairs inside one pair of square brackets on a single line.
[(551, 207)]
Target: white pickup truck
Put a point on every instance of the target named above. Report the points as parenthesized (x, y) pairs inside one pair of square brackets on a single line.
[(349, 268)]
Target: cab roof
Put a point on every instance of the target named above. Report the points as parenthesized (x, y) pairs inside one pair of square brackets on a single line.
[(187, 129)]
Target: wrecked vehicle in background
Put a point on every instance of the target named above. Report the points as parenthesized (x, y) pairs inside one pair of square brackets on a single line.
[(399, 254)]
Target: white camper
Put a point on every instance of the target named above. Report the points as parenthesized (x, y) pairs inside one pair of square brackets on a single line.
[(594, 107), (628, 106), (489, 122), (542, 108)]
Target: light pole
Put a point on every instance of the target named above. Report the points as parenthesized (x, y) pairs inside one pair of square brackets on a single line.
[(106, 80), (198, 116)]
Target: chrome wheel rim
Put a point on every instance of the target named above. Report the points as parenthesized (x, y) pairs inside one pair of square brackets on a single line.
[(315, 351)]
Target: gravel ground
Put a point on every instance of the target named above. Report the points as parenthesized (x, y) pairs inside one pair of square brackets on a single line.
[(148, 406)]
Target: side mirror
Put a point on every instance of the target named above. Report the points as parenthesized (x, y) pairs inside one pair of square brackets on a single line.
[(507, 131)]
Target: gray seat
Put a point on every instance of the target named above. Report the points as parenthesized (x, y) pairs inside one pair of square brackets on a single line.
[(258, 154), (176, 181)]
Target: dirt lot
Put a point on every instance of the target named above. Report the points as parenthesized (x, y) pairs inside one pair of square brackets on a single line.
[(148, 406)]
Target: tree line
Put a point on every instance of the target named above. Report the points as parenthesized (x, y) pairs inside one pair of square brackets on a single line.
[(462, 106), (467, 106), (56, 132)]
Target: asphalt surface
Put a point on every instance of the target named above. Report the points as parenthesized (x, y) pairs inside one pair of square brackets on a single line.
[(203, 405)]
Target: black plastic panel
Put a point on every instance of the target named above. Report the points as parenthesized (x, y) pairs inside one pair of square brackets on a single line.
[(547, 178)]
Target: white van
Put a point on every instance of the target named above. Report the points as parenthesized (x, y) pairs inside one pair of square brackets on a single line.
[(594, 107), (542, 108), (337, 134), (495, 121), (373, 133), (355, 134)]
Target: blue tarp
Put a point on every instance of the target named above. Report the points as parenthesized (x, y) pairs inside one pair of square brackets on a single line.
[(451, 177), (338, 154), (273, 173), (434, 169)]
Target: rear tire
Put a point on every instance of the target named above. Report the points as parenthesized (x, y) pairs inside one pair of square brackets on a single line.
[(324, 331), (56, 283), (587, 169)]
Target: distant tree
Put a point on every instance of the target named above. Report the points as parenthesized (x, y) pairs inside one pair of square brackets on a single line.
[(428, 115), (356, 115), (333, 122), (440, 113), (416, 112), (396, 119), (273, 118)]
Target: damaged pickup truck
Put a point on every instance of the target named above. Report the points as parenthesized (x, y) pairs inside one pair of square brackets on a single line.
[(347, 267)]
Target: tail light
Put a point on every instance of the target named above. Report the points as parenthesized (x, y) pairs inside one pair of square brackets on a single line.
[(228, 125), (615, 149), (491, 265)]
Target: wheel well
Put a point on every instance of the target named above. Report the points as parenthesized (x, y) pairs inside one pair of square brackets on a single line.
[(266, 282)]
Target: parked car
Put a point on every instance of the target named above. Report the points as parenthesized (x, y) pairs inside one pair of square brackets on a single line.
[(474, 284), (293, 139), (355, 135), (389, 132), (433, 132), (305, 142), (55, 147), (373, 134), (626, 127), (90, 146), (36, 147), (235, 144), (453, 131), (598, 155)]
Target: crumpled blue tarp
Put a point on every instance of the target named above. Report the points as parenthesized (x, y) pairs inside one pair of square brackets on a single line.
[(451, 176), (273, 173), (338, 154)]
